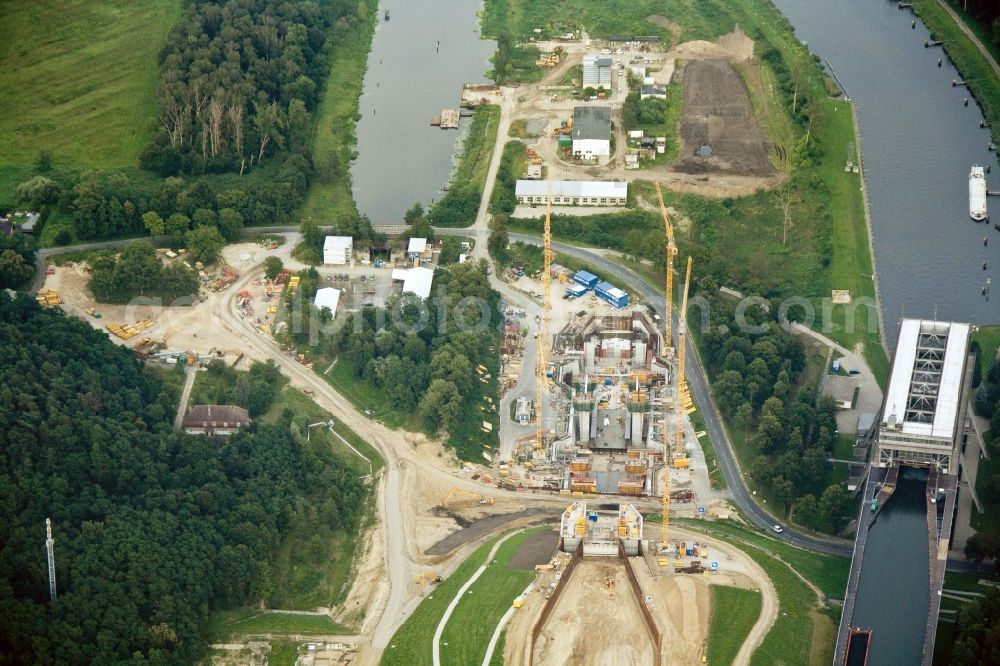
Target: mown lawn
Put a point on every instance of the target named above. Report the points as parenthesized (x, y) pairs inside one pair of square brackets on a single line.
[(79, 81), (734, 612), (475, 617)]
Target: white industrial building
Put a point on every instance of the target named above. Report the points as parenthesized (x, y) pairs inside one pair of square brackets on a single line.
[(923, 416), (573, 192), (337, 250), (416, 281), (597, 71), (591, 132), (327, 297)]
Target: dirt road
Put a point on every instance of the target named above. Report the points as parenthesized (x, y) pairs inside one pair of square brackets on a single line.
[(189, 375)]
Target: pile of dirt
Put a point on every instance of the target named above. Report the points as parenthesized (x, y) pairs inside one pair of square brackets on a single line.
[(719, 132)]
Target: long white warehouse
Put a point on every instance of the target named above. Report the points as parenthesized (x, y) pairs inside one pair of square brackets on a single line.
[(573, 192)]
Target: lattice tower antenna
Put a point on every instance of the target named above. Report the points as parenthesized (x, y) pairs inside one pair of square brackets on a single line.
[(50, 551)]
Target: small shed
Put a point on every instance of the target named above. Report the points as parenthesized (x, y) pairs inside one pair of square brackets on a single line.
[(843, 390)]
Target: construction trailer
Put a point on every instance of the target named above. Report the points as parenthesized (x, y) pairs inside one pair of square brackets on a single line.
[(586, 279), (611, 295)]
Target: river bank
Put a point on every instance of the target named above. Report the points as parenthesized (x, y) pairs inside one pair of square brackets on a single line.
[(334, 139), (417, 64), (981, 74)]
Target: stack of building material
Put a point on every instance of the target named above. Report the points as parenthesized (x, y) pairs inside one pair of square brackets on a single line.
[(48, 297)]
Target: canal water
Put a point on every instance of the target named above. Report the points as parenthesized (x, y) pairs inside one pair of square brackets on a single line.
[(919, 142), (892, 598), (419, 60)]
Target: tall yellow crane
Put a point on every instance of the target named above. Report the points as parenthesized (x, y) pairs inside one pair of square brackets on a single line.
[(665, 537), (668, 341), (541, 360), (681, 398), (678, 414)]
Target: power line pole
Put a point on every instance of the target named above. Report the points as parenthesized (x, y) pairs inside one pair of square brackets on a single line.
[(49, 549)]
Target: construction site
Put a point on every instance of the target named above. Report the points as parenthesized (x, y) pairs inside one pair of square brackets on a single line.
[(655, 608), (610, 414)]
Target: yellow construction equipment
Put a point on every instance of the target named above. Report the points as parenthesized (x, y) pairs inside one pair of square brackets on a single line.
[(428, 577), (668, 341), (541, 357), (481, 499), (681, 382)]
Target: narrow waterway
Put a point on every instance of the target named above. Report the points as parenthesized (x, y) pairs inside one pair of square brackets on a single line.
[(419, 60), (919, 142), (892, 598)]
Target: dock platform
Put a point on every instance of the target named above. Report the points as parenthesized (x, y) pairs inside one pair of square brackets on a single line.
[(448, 119)]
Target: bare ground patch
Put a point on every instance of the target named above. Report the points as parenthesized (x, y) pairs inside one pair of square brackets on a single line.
[(595, 624), (475, 529), (718, 120), (536, 549)]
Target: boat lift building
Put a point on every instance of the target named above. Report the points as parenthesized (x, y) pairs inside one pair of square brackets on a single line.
[(924, 413)]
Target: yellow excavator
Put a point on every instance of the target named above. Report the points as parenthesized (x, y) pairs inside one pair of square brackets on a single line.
[(481, 499)]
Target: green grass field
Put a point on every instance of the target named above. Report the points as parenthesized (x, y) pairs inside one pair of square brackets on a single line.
[(249, 622), (475, 617), (79, 80), (283, 653), (734, 612)]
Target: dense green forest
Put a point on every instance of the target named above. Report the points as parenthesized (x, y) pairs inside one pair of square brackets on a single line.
[(781, 429), (154, 529), (17, 260), (116, 277)]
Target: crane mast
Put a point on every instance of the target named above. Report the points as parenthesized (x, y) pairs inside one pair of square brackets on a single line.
[(541, 360), (671, 252), (681, 398)]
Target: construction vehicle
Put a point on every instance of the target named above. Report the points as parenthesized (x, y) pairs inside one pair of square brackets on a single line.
[(692, 568), (429, 577), (481, 499)]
